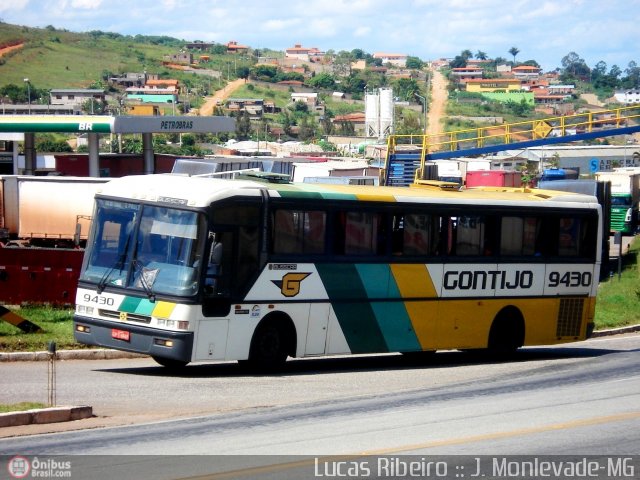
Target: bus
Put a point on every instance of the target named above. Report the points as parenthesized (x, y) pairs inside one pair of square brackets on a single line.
[(188, 269)]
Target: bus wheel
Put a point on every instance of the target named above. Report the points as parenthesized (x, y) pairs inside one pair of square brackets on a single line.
[(507, 332), (171, 363), (270, 346)]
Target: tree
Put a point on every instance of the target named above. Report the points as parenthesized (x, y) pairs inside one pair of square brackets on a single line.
[(574, 67), (322, 80), (480, 55), (414, 63), (306, 129), (342, 63), (243, 126), (405, 88), (48, 143), (514, 51), (243, 72)]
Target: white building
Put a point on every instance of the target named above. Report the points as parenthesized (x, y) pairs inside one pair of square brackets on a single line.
[(628, 96)]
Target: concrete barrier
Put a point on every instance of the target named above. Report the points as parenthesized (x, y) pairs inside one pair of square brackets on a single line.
[(45, 415)]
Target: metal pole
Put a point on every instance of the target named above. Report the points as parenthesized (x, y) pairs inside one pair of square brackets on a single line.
[(26, 80), (424, 109)]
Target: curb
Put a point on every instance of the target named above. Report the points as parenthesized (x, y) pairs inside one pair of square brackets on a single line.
[(616, 331), (83, 354), (45, 415), (108, 354)]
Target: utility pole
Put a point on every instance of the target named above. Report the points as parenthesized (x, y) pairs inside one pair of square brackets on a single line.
[(424, 109), (26, 80)]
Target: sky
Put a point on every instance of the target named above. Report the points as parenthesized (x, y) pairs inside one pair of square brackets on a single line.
[(542, 30)]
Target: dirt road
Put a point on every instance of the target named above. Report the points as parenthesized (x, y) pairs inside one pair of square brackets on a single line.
[(438, 103), (207, 108), (6, 50)]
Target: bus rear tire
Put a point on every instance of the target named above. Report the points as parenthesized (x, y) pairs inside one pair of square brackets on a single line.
[(170, 363), (271, 345), (507, 332)]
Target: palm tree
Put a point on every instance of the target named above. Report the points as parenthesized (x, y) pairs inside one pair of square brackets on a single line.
[(480, 55), (514, 51)]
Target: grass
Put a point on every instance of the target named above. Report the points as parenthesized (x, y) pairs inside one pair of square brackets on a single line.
[(54, 322), (618, 301), (20, 407), (618, 304)]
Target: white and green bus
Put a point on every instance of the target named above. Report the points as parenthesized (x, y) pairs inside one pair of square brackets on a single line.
[(188, 269)]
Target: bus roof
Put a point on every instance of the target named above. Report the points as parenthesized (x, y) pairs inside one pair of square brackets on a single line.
[(200, 192)]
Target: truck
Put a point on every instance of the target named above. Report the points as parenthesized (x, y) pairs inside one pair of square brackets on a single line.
[(625, 198), (48, 211)]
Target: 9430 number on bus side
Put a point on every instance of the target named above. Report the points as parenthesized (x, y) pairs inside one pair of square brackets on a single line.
[(569, 279)]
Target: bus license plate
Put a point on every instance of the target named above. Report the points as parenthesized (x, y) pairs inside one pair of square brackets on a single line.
[(120, 334)]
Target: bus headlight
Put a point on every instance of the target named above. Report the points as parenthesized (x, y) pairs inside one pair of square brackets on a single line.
[(83, 310), (627, 217)]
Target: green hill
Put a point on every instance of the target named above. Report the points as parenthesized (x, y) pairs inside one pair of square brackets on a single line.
[(53, 58)]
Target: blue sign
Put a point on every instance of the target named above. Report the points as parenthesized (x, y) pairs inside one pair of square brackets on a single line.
[(593, 165)]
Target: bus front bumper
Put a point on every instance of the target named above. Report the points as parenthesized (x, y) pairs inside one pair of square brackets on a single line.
[(133, 338)]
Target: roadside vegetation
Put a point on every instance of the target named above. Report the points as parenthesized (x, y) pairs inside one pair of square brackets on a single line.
[(20, 407), (619, 298), (618, 305)]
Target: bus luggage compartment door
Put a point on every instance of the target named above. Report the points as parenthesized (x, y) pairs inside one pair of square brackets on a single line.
[(317, 329), (211, 340)]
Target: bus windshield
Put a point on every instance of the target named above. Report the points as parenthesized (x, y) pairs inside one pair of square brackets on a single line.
[(154, 249)]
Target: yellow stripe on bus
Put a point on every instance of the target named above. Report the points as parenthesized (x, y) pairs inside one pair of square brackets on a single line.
[(414, 281), (163, 309)]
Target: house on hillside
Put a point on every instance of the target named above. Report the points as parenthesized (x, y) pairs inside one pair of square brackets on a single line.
[(303, 53), (163, 83), (75, 97), (235, 47), (396, 59), (525, 71), (356, 119), (462, 74), (493, 85), (181, 58), (199, 46), (253, 106), (131, 79), (627, 97)]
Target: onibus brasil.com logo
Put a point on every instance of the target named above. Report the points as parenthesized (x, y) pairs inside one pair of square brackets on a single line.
[(21, 467)]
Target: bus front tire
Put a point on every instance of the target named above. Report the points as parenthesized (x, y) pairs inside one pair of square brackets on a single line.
[(270, 346), (170, 363)]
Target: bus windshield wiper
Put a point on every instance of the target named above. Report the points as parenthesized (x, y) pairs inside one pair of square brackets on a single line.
[(143, 281), (119, 264)]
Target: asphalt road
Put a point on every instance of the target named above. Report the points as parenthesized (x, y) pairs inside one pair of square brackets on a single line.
[(581, 399)]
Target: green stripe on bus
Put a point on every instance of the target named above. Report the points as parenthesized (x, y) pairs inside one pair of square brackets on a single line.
[(354, 313), (392, 316), (298, 194), (145, 307), (129, 304)]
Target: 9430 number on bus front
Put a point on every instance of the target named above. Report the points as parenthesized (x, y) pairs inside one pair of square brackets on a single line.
[(99, 299)]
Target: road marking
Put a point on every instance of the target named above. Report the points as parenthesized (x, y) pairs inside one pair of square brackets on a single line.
[(251, 471), (512, 433)]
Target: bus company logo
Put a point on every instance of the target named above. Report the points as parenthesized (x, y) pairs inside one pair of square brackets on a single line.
[(19, 467), (290, 283)]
